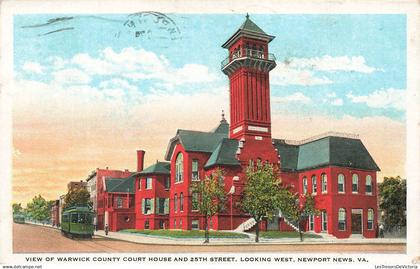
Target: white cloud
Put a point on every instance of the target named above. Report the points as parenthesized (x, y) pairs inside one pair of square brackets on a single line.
[(58, 62), (304, 71), (297, 97), (139, 64), (71, 76), (386, 98), (331, 98), (33, 67), (331, 64), (285, 74)]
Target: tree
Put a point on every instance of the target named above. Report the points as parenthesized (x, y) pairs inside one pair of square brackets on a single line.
[(263, 194), (209, 198), (17, 208), (392, 200), (297, 210), (77, 197), (38, 209)]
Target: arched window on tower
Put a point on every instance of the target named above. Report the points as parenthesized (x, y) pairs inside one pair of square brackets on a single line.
[(261, 52), (179, 168)]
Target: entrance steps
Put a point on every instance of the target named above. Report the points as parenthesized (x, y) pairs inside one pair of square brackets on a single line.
[(246, 225)]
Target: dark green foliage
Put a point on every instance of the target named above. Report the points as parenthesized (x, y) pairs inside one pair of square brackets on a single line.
[(39, 209), (211, 198), (77, 197), (393, 202), (17, 208), (263, 193)]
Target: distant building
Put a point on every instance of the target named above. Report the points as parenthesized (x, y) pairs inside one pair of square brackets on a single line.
[(61, 205), (102, 195), (55, 213), (76, 185)]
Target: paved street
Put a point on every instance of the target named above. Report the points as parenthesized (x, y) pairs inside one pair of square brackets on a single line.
[(37, 239)]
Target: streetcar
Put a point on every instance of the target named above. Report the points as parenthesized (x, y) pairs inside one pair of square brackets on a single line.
[(76, 221), (19, 218)]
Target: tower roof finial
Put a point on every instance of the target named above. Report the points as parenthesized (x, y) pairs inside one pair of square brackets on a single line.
[(223, 116), (247, 15)]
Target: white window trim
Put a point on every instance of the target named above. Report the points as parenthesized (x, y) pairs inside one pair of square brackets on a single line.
[(345, 220), (324, 220), (322, 183), (338, 184), (371, 186), (373, 219), (357, 183), (312, 184), (151, 183), (304, 185)]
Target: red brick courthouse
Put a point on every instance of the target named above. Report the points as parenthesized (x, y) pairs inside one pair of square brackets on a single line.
[(335, 168)]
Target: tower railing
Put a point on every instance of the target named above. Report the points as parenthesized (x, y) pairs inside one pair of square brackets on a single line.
[(248, 53)]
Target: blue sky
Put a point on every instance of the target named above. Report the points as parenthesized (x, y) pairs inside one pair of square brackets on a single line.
[(340, 64), (88, 92)]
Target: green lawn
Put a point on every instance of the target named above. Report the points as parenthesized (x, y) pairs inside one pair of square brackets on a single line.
[(278, 234), (185, 233)]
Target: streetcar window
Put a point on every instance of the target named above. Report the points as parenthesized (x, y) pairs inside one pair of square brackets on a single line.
[(82, 218), (89, 219), (73, 218)]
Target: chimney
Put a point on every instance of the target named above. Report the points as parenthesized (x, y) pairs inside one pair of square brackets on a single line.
[(140, 160)]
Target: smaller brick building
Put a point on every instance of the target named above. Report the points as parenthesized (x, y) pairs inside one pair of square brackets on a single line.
[(152, 197), (118, 195)]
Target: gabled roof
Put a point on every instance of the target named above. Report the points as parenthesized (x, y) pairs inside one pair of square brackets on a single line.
[(120, 185), (224, 154), (196, 141), (326, 151), (157, 168)]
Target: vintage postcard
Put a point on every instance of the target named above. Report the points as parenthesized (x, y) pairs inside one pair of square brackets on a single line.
[(203, 133)]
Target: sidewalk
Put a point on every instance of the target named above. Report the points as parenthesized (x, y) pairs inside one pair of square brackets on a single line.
[(149, 239)]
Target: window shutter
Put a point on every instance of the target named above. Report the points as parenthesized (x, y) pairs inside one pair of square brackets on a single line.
[(152, 206), (158, 205), (142, 206), (166, 208)]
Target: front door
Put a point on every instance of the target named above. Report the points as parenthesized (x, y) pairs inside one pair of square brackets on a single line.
[(356, 223)]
